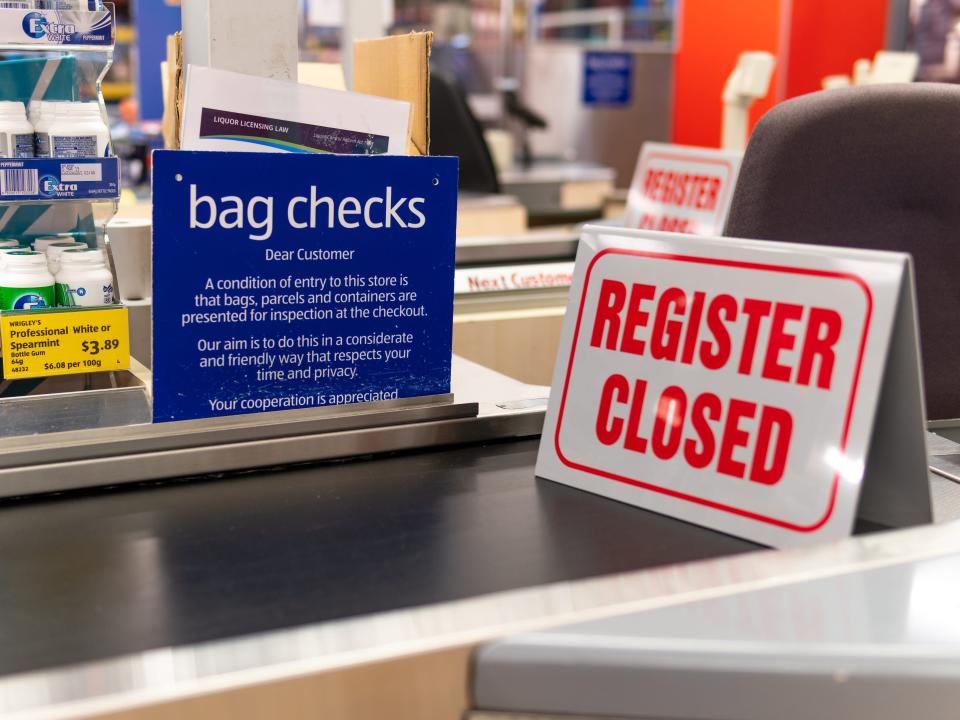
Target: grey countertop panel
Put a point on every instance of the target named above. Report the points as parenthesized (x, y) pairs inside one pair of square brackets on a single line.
[(877, 644)]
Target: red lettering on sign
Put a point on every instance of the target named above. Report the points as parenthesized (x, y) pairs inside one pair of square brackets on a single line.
[(823, 332), (693, 328), (633, 441), (767, 444), (772, 418), (668, 423), (666, 332), (716, 353), (481, 284), (697, 328), (636, 318), (735, 437), (615, 389), (755, 310), (665, 223), (711, 192), (699, 192), (699, 451), (780, 339), (613, 294)]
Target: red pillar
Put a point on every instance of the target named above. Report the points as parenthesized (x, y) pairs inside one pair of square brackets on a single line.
[(810, 39)]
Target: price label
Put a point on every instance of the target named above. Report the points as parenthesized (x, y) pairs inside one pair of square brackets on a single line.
[(64, 342)]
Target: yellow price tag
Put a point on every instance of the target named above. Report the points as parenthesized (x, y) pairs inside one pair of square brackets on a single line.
[(64, 342)]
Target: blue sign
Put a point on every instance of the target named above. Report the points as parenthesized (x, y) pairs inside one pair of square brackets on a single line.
[(286, 281), (607, 78)]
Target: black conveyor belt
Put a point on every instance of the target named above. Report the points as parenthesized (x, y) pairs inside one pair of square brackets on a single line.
[(86, 578)]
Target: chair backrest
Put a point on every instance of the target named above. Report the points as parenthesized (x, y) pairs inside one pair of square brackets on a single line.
[(874, 167), (454, 130)]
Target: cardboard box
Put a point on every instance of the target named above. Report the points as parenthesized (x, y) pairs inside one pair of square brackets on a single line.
[(173, 92), (398, 67)]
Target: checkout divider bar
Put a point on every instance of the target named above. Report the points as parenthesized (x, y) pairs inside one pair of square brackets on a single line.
[(484, 406)]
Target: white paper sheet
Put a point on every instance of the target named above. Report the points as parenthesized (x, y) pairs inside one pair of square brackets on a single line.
[(242, 113)]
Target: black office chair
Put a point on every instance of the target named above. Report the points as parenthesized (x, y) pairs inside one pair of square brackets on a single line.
[(873, 167), (454, 130)]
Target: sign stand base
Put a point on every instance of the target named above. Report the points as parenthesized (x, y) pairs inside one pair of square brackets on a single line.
[(896, 491)]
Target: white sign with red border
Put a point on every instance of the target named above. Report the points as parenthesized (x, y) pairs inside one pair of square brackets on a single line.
[(682, 189), (737, 385)]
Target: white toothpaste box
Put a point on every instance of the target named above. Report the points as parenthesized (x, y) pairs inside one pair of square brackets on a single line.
[(243, 113)]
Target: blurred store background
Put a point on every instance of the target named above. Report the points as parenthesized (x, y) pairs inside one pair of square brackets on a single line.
[(529, 68)]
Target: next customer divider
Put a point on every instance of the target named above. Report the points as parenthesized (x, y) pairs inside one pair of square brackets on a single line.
[(769, 391), (316, 280)]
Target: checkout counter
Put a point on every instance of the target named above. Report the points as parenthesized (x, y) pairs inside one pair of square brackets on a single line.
[(371, 588)]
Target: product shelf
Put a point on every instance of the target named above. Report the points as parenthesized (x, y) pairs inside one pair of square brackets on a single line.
[(59, 55), (10, 46), (61, 309)]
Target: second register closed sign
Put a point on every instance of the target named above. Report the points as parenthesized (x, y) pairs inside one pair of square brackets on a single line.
[(682, 189)]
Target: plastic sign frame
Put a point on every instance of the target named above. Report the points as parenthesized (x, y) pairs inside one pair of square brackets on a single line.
[(766, 390)]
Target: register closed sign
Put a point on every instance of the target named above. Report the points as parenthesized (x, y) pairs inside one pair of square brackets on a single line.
[(682, 189), (728, 384)]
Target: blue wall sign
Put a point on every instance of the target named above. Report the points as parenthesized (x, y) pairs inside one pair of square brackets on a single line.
[(288, 282), (607, 78)]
